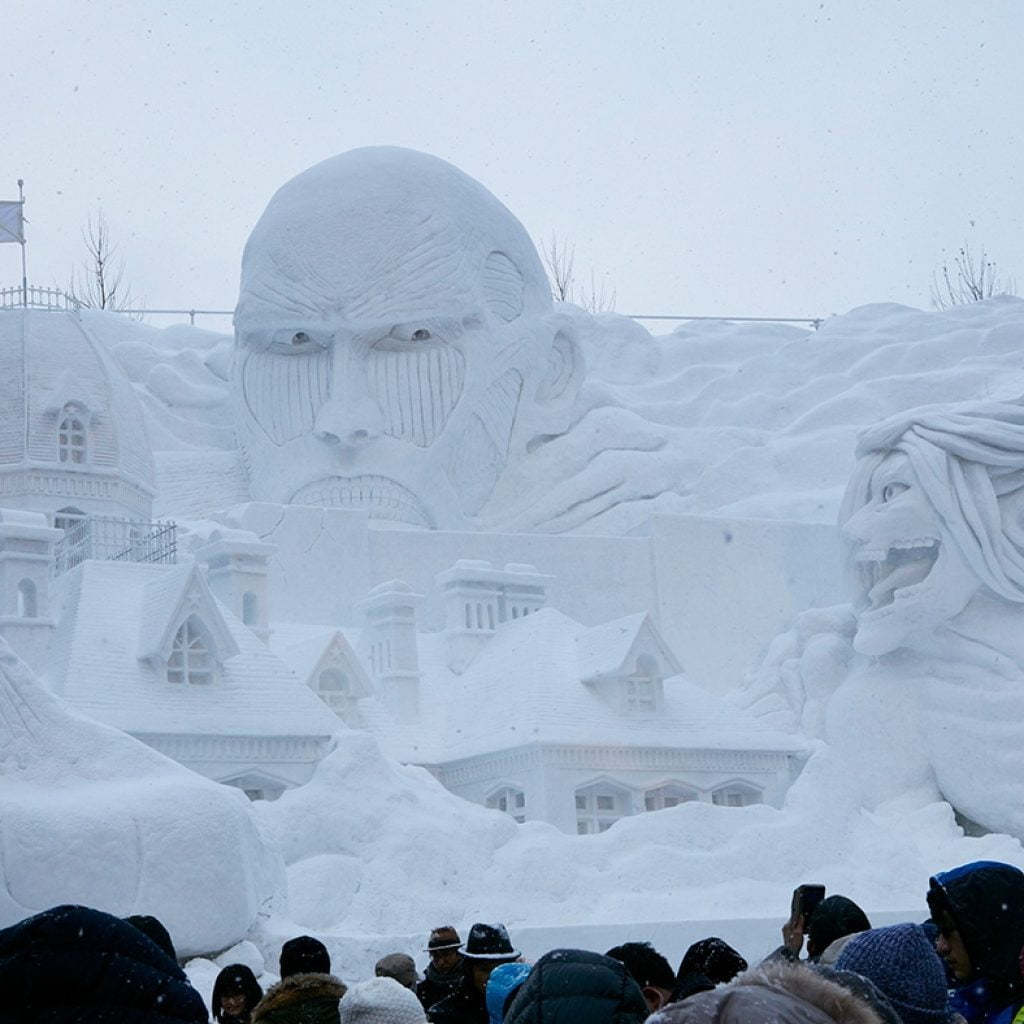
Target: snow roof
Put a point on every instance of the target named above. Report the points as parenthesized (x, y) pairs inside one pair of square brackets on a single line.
[(112, 619), (527, 686)]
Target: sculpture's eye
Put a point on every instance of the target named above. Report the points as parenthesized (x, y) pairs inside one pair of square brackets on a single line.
[(893, 489), (420, 334), (292, 342)]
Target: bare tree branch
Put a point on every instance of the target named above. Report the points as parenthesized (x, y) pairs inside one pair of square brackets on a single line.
[(99, 282), (968, 280)]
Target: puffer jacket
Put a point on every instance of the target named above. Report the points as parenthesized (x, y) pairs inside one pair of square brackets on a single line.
[(567, 986), (301, 999), (776, 991), (985, 899), (72, 964)]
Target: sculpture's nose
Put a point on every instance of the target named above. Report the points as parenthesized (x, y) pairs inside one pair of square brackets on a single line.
[(350, 423)]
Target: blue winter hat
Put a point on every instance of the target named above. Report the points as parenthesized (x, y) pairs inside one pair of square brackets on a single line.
[(504, 981), (904, 965)]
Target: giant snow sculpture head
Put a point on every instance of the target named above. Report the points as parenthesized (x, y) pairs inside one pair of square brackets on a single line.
[(395, 342), (932, 516)]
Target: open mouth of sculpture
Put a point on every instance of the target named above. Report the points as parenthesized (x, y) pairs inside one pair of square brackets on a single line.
[(896, 573), (382, 497)]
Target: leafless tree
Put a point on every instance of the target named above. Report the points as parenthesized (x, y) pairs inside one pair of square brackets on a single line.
[(969, 279), (560, 261), (99, 282)]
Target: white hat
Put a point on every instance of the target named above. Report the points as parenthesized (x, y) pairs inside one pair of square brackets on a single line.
[(380, 1001)]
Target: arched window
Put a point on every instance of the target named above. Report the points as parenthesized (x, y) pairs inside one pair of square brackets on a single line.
[(643, 687), (511, 801), (71, 436), (599, 806), (250, 609), (191, 659), (670, 795), (737, 794), (27, 599)]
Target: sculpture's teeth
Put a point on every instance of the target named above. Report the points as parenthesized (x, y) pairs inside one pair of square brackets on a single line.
[(906, 565), (381, 497)]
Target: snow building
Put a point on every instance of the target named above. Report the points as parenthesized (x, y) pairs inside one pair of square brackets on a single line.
[(516, 706), (72, 437)]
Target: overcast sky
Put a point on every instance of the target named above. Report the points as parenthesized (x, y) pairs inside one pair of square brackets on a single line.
[(770, 157)]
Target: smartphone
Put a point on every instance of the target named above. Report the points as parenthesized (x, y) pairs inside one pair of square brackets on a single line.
[(805, 900)]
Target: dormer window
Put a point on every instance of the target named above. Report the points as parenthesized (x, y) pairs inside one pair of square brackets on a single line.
[(643, 689), (191, 659), (72, 436)]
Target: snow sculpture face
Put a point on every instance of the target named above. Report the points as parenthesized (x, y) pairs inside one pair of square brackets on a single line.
[(932, 516), (393, 340), (909, 575)]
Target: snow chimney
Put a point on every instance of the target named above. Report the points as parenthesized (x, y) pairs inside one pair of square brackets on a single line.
[(26, 562), (236, 569), (389, 646), (478, 598)]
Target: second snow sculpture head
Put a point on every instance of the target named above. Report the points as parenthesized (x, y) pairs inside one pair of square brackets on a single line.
[(396, 348), (933, 517)]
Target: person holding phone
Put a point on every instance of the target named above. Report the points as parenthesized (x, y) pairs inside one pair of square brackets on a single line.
[(822, 920)]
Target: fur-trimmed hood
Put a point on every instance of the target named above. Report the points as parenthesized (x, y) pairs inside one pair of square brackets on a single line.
[(301, 997), (781, 992)]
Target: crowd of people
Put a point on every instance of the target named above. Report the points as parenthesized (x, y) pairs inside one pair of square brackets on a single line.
[(963, 964)]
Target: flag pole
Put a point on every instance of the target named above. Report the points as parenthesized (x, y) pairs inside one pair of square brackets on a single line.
[(24, 275)]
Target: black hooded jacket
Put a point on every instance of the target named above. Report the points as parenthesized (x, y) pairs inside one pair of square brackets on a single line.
[(72, 964), (571, 985), (985, 899)]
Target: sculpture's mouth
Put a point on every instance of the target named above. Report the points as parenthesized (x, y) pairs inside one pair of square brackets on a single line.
[(897, 572), (382, 497)]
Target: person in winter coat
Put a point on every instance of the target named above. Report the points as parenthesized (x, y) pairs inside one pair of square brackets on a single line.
[(649, 969), (903, 964), (71, 964), (567, 986), (307, 993), (235, 995), (445, 972), (833, 918), (776, 992), (979, 911), (488, 946), (502, 987), (381, 1000)]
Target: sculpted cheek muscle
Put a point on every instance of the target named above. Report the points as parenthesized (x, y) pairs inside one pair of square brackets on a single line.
[(416, 391), (284, 392)]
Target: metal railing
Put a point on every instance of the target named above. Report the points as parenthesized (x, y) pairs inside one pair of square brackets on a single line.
[(55, 298), (35, 297), (110, 539)]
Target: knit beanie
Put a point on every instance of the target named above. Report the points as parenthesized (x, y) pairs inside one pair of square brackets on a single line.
[(902, 962), (380, 1001)]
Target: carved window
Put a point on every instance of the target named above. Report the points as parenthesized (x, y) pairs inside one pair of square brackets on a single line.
[(65, 518), (509, 800), (599, 806), (335, 690), (72, 437), (26, 599), (737, 794), (191, 659), (643, 687), (250, 609), (669, 795)]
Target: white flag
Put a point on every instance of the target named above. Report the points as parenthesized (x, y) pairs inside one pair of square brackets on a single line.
[(11, 224)]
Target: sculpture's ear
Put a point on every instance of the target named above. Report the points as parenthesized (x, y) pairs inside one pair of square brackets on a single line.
[(564, 372)]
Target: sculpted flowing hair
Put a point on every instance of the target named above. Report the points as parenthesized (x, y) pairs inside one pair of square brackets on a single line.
[(969, 461)]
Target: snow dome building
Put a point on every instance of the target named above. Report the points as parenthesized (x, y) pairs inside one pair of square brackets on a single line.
[(72, 438)]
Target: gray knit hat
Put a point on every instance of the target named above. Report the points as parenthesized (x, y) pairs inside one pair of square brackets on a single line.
[(903, 964), (380, 1001)]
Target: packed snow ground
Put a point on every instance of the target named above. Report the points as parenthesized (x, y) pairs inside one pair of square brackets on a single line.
[(747, 420)]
